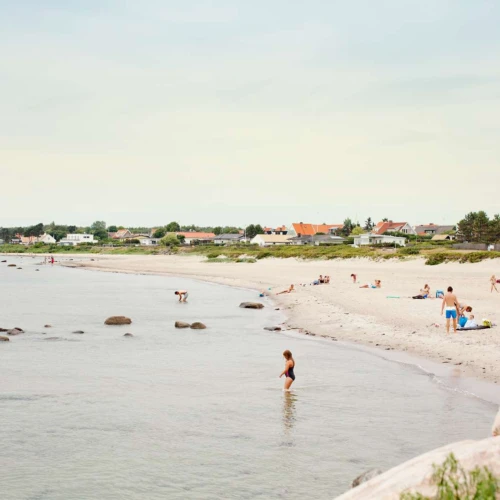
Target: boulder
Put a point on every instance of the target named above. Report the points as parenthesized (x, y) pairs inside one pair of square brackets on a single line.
[(11, 265), (4, 339), (78, 331), (14, 331), (128, 335), (366, 476), (4, 261), (4, 329), (273, 328), (251, 305), (118, 320), (182, 324), (20, 329), (19, 268), (198, 326), (47, 326)]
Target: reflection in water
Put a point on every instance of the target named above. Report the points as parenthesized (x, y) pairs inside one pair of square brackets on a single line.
[(289, 400)]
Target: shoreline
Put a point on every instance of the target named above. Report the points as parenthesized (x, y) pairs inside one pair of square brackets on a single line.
[(343, 312)]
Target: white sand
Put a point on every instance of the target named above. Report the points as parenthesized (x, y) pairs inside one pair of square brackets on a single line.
[(346, 312)]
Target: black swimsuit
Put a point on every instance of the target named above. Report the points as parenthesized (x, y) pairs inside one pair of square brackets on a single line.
[(290, 373)]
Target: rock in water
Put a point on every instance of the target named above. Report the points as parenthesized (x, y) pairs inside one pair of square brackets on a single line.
[(252, 305), (47, 326), (4, 261), (128, 335), (4, 329), (273, 328), (198, 326), (20, 329), (4, 339), (14, 331), (11, 265), (182, 324), (78, 331), (118, 320), (366, 476)]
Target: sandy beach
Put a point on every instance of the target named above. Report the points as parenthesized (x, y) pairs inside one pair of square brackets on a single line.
[(345, 312)]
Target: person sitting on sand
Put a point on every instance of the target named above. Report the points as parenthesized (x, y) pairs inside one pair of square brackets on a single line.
[(378, 284), (471, 322), (288, 290), (321, 279), (425, 292), (493, 282), (183, 295), (354, 278), (327, 280)]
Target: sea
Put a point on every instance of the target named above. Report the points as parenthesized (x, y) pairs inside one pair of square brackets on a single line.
[(196, 414)]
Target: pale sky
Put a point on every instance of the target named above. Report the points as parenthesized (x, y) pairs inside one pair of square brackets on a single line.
[(236, 112)]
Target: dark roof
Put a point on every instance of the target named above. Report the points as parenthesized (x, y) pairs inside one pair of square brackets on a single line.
[(229, 237), (318, 237), (438, 229)]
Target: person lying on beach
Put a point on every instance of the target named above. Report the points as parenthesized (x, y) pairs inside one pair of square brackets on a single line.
[(321, 279), (378, 284), (493, 282), (471, 322), (288, 290), (354, 278), (425, 292), (183, 295), (450, 301), (327, 280)]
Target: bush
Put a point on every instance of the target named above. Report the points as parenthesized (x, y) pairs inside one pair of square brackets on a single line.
[(453, 482), (409, 251), (263, 255), (435, 259), (170, 240)]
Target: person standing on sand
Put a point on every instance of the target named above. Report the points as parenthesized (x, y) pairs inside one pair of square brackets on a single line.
[(288, 371), (493, 282), (183, 295), (451, 302), (354, 278)]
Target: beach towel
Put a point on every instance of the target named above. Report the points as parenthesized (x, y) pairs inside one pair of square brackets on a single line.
[(480, 327)]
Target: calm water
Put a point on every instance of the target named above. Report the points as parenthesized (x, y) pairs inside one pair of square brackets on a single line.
[(195, 414)]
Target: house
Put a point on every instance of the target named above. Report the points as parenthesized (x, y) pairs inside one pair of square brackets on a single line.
[(267, 240), (47, 239), (277, 230), (393, 227), (302, 229), (320, 239), (121, 234), (15, 241), (378, 239), (191, 236), (77, 239), (432, 229), (28, 240), (148, 241), (443, 237), (228, 239)]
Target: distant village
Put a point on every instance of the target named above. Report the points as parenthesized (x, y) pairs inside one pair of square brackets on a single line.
[(385, 232)]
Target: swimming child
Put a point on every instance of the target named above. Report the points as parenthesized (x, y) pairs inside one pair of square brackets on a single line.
[(288, 371)]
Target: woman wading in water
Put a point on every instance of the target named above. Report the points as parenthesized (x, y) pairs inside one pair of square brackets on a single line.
[(288, 371)]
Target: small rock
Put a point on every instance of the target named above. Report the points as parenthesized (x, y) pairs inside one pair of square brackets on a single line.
[(20, 329), (78, 331), (52, 338), (19, 268), (11, 265), (14, 331), (252, 305), (273, 328), (128, 335), (197, 326), (4, 329), (4, 261), (182, 324), (118, 320), (366, 476), (47, 326), (4, 339)]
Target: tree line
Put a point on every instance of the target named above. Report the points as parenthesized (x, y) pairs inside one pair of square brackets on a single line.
[(477, 227)]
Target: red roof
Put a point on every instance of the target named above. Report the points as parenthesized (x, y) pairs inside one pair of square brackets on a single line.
[(312, 229), (193, 235), (383, 227)]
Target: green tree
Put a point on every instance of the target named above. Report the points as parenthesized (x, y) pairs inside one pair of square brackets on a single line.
[(159, 233), (259, 229), (368, 224), (173, 227), (250, 231), (385, 219), (98, 225), (217, 230), (476, 227), (100, 234), (170, 240), (348, 227), (358, 230), (71, 229), (36, 230), (112, 229), (181, 238)]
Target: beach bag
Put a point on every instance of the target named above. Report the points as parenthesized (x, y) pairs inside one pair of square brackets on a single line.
[(487, 323), (439, 293), (462, 321)]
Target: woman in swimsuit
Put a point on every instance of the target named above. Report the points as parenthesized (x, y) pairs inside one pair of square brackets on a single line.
[(288, 371), (493, 281)]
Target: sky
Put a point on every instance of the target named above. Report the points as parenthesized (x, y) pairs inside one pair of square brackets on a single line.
[(230, 112)]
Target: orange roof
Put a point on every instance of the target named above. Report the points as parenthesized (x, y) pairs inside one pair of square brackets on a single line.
[(382, 227), (312, 229), (192, 234)]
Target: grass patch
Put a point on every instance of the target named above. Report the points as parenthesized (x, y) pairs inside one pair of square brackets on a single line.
[(455, 483)]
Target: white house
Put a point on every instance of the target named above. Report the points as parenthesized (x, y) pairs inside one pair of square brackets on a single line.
[(267, 240), (229, 239), (47, 239), (77, 239), (377, 239)]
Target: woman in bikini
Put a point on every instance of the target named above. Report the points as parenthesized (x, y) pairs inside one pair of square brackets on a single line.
[(493, 282), (288, 371)]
